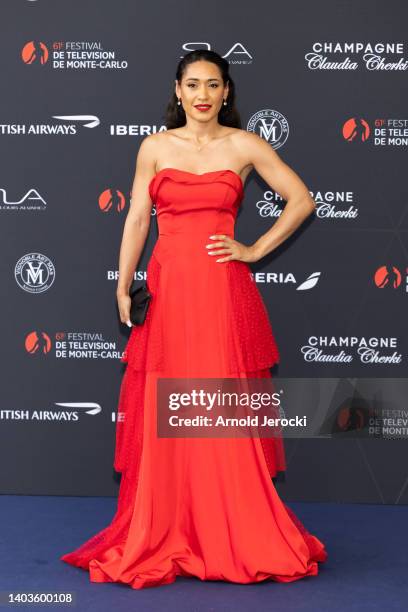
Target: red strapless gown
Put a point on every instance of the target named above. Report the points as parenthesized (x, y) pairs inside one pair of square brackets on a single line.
[(203, 507)]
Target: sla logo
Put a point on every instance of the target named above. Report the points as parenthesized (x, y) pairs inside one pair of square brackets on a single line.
[(34, 272), (239, 54), (32, 200), (35, 52), (37, 342), (356, 129), (270, 125), (387, 276), (111, 199)]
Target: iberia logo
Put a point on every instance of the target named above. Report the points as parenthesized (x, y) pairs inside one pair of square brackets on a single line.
[(37, 342), (356, 129), (111, 199), (34, 52), (387, 276)]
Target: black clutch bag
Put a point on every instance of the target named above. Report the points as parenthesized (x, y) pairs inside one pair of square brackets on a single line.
[(140, 299)]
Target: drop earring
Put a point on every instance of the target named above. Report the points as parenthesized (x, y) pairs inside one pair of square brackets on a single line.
[(225, 103), (179, 101)]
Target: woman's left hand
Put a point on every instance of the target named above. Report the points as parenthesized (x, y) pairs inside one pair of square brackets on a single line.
[(231, 249)]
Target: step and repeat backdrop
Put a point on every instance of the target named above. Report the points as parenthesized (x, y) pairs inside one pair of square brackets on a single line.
[(82, 84)]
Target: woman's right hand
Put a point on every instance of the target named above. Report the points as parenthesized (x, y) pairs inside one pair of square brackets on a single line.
[(124, 302)]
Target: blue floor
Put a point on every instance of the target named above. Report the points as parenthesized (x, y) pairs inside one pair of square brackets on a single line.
[(367, 567)]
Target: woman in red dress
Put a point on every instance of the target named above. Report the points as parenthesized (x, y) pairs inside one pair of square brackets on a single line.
[(199, 506)]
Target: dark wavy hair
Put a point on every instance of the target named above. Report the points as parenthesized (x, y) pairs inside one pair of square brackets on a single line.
[(228, 115)]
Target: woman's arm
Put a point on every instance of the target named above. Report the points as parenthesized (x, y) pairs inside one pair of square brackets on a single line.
[(258, 154), (137, 224), (281, 178)]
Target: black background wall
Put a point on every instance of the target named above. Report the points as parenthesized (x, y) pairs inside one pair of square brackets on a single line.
[(69, 136)]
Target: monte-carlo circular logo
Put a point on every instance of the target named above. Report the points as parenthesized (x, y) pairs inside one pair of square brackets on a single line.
[(387, 276), (35, 52), (34, 272), (356, 129), (37, 342), (112, 199)]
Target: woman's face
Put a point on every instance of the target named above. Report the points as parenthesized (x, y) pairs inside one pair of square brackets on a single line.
[(202, 84)]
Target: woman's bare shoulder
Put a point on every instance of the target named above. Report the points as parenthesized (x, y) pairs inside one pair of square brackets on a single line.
[(160, 139), (152, 144), (243, 136), (253, 145)]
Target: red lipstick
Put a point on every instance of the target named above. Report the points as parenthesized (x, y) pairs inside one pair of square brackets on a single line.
[(202, 107)]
